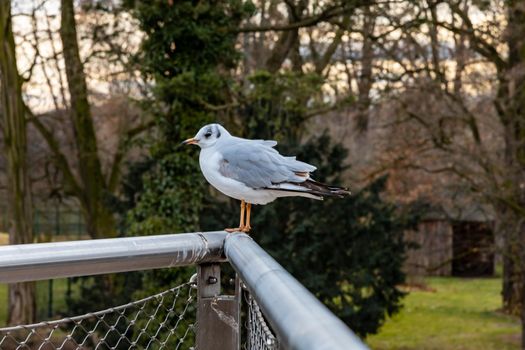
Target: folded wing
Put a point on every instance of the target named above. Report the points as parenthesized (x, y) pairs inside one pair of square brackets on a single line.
[(258, 165)]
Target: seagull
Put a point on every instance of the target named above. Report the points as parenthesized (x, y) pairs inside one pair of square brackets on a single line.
[(253, 172)]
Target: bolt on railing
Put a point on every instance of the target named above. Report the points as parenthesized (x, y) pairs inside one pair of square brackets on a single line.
[(280, 312)]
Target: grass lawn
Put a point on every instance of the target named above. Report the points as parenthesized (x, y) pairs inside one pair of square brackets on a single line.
[(453, 314)]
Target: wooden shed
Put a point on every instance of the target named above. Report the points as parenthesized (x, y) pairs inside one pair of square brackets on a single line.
[(452, 244)]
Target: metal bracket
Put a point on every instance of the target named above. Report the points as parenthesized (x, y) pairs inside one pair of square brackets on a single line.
[(218, 315)]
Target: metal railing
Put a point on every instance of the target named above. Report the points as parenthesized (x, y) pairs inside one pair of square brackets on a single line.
[(280, 312)]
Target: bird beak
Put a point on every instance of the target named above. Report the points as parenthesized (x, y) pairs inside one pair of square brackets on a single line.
[(192, 141)]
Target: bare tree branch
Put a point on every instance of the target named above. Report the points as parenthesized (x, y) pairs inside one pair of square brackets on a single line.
[(324, 16), (60, 159)]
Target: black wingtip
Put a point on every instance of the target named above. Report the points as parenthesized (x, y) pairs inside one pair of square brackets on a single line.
[(325, 190)]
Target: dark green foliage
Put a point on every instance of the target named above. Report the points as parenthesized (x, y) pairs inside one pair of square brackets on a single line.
[(185, 36), (187, 51)]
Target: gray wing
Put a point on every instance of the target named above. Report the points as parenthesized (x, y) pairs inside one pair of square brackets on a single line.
[(258, 165)]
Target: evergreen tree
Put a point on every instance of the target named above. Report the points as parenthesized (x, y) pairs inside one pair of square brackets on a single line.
[(188, 51)]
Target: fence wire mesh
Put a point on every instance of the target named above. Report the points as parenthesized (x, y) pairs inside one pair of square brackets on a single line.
[(259, 335), (162, 321)]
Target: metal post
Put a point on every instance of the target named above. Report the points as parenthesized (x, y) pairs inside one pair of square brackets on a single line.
[(217, 315), (50, 299)]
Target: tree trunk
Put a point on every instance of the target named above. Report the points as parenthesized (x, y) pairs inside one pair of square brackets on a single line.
[(100, 221), (508, 228), (12, 110), (522, 314), (511, 107), (280, 52), (288, 39), (365, 80)]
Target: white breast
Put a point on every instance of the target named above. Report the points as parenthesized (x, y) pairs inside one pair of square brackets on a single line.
[(210, 161)]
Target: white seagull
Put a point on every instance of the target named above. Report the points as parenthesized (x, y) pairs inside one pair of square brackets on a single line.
[(253, 172)]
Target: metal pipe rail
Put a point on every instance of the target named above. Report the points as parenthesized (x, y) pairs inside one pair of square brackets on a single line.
[(40, 261), (299, 319)]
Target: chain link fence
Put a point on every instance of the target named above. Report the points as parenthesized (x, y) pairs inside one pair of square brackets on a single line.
[(259, 335), (54, 222), (162, 321)]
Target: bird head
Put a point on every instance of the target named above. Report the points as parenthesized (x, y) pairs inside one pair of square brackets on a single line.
[(207, 136)]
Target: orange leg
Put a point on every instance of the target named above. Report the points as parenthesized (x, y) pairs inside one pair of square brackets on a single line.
[(247, 227), (241, 223)]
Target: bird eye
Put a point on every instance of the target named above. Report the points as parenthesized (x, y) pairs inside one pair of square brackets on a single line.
[(208, 134)]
